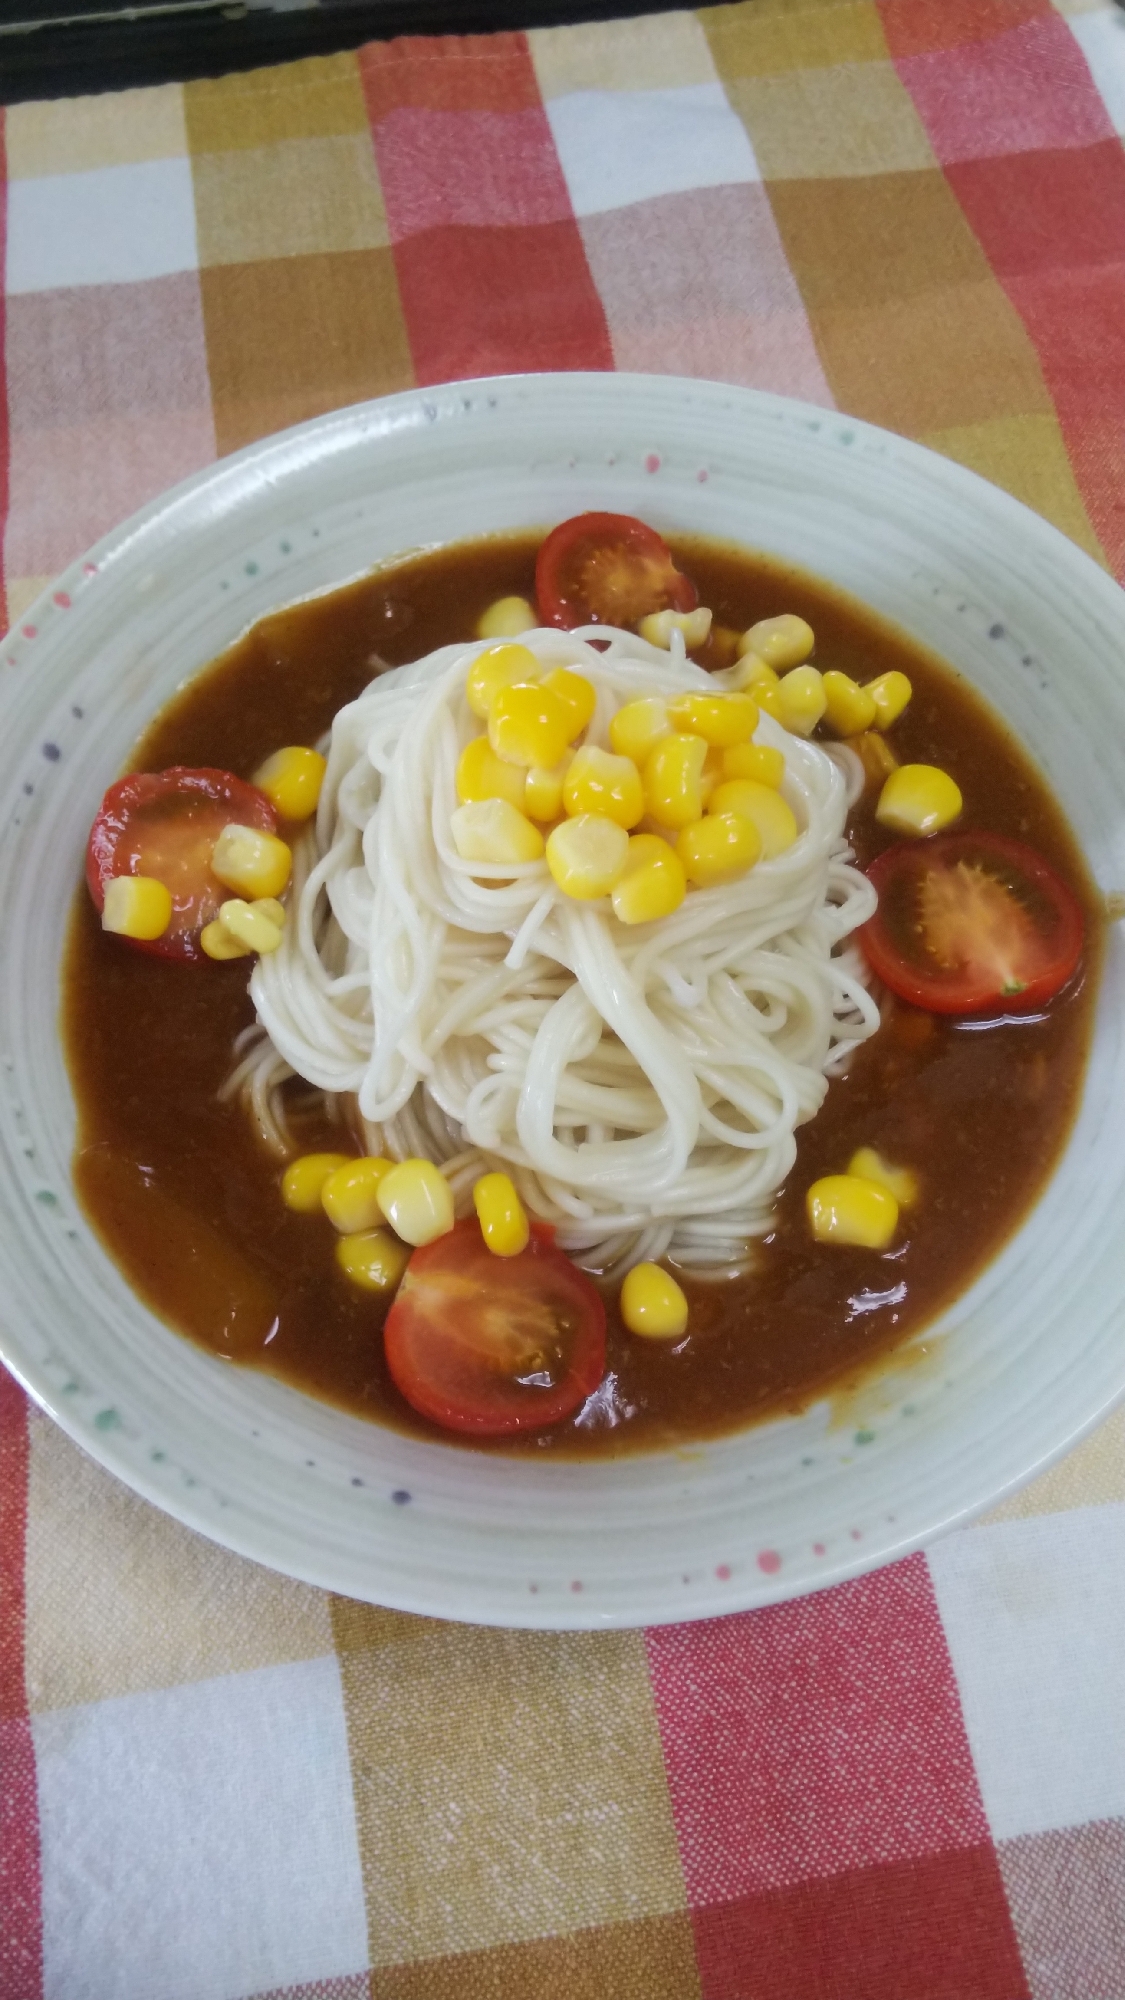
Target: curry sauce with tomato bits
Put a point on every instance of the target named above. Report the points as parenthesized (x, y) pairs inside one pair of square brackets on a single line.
[(975, 1108)]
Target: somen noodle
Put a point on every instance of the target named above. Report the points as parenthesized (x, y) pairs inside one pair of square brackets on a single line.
[(641, 1084)]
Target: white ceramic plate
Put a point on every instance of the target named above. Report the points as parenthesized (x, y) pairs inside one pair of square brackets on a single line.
[(1025, 1362)]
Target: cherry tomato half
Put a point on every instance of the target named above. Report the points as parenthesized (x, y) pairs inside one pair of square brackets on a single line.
[(165, 824), (971, 921), (607, 569), (495, 1344)]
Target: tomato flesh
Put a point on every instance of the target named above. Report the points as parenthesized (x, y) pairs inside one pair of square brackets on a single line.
[(971, 921), (495, 1344), (165, 824), (607, 569)]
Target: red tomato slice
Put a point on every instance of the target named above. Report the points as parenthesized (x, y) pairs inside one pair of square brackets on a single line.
[(165, 824), (495, 1344), (607, 569), (970, 921)]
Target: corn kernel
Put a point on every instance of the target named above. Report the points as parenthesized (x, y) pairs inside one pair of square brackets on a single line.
[(638, 727), (492, 830), (890, 693), (268, 906), (350, 1197), (136, 906), (251, 862), (801, 700), (653, 883), (417, 1201), (529, 725), (870, 1165), (291, 780), (374, 1260), (782, 642), (652, 1303), (718, 848), (672, 780), (844, 1209), (500, 1212), (763, 807), (767, 694), (848, 708), (498, 667), (711, 774), (721, 719), (587, 855), (482, 775), (222, 944), (543, 798), (599, 782), (918, 799), (304, 1178), (248, 926), (875, 754), (506, 619), (753, 672), (659, 626), (759, 761), (578, 696)]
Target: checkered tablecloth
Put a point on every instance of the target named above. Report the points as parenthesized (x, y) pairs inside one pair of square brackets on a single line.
[(216, 1784)]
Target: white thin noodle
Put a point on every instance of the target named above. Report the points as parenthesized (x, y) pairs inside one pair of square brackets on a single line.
[(642, 1084)]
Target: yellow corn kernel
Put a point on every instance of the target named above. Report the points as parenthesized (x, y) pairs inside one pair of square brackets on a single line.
[(763, 807), (498, 667), (221, 944), (918, 799), (875, 754), (492, 830), (653, 883), (721, 719), (672, 779), (848, 708), (870, 1165), (529, 725), (652, 1303), (711, 774), (249, 925), (759, 761), (543, 798), (500, 1212), (304, 1178), (800, 701), (578, 695), (506, 619), (482, 775), (599, 782), (291, 780), (374, 1260), (753, 673), (638, 727), (718, 848), (782, 642), (890, 693), (587, 855), (350, 1195), (659, 626), (843, 1208), (251, 862), (417, 1201), (137, 906), (268, 906)]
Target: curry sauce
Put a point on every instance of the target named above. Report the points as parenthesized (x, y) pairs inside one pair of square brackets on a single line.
[(188, 1204)]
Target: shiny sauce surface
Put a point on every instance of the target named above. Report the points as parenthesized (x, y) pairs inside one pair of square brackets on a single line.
[(189, 1205)]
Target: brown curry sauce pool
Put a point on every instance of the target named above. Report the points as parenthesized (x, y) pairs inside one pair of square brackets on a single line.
[(189, 1205)]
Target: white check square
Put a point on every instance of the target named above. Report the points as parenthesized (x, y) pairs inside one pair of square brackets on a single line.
[(1101, 37), (1034, 1614), (199, 1843), (110, 226), (623, 146)]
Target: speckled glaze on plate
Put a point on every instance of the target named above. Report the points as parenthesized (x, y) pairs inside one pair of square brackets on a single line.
[(1028, 1359)]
